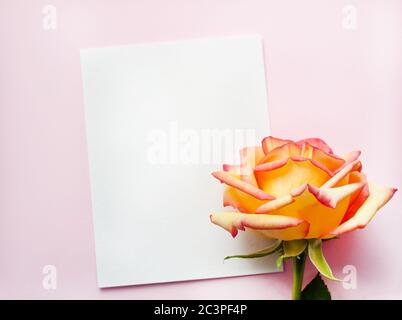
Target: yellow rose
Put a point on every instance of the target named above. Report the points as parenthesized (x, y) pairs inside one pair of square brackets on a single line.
[(298, 190)]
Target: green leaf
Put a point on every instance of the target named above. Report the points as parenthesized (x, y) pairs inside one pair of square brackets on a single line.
[(261, 253), (291, 249), (316, 290), (318, 259)]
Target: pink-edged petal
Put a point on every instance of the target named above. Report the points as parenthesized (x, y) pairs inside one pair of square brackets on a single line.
[(356, 203), (339, 175), (285, 151), (234, 221), (358, 198), (270, 143), (308, 205), (245, 173), (329, 160), (331, 196), (282, 178), (356, 176), (249, 178), (249, 156), (292, 233), (304, 202), (352, 156), (248, 188), (268, 166), (271, 165), (349, 158), (232, 199), (316, 142), (239, 200), (275, 204), (323, 209), (314, 162), (378, 197)]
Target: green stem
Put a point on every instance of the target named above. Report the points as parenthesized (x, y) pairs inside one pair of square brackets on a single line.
[(298, 272)]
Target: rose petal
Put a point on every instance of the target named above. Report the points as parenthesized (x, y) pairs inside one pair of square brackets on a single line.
[(314, 162), (307, 205), (378, 197), (233, 181), (282, 180), (329, 160), (234, 221), (249, 156), (275, 204), (356, 203), (340, 175), (358, 198), (240, 200), (331, 196), (244, 172), (316, 142), (283, 152), (291, 233), (349, 158), (271, 165), (352, 156), (270, 143)]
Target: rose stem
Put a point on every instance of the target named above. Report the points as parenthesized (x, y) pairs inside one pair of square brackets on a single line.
[(298, 272)]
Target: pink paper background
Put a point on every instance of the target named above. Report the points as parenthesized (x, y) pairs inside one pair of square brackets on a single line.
[(343, 85)]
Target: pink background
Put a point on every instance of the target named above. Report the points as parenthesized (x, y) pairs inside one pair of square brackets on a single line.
[(343, 85)]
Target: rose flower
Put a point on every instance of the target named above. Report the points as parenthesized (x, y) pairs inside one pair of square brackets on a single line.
[(298, 190)]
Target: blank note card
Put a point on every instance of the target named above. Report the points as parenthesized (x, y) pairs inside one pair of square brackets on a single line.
[(160, 118)]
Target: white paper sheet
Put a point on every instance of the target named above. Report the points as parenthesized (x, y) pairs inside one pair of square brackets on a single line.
[(151, 110)]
